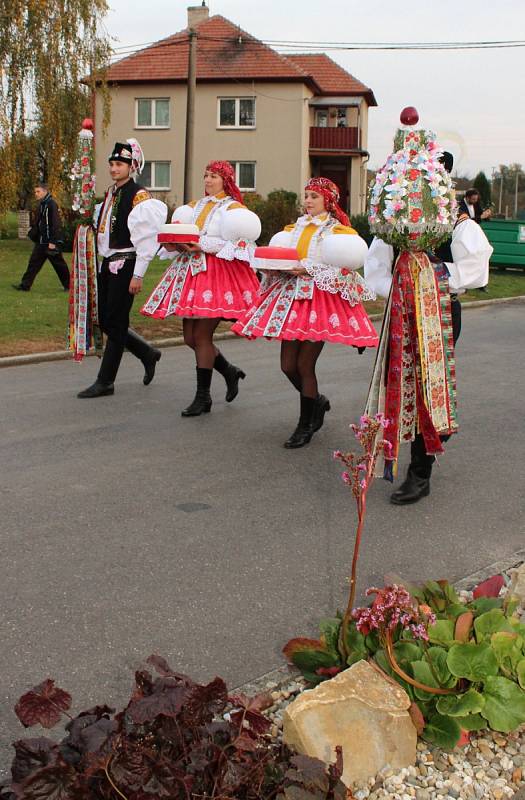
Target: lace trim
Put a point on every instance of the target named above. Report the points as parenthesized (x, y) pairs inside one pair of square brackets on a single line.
[(348, 283), (242, 249)]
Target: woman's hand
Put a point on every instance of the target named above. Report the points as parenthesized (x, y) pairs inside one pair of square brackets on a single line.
[(298, 270), (189, 248)]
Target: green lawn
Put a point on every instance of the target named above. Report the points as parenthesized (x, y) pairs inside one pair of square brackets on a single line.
[(36, 321)]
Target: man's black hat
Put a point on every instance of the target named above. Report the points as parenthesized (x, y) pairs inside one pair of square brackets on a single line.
[(121, 152)]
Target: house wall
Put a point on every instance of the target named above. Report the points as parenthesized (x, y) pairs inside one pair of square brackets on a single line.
[(278, 143)]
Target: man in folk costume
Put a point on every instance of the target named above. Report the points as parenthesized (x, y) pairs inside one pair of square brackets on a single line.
[(413, 211), (126, 226)]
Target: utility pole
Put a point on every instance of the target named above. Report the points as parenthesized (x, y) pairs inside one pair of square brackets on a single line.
[(516, 195), (500, 191), (190, 115)]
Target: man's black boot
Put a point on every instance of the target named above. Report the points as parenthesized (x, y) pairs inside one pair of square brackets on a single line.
[(202, 401), (104, 384), (304, 430), (411, 490), (149, 355), (231, 374), (97, 389), (322, 405)]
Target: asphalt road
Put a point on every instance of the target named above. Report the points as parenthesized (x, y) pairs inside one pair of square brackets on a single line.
[(127, 530)]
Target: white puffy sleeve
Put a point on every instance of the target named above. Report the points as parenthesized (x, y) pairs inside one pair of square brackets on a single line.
[(281, 239), (238, 229), (144, 222), (471, 252), (344, 250), (183, 214), (378, 267)]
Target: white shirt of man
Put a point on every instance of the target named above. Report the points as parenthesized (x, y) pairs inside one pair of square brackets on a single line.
[(469, 269)]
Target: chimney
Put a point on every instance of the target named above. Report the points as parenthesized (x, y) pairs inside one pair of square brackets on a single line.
[(197, 14)]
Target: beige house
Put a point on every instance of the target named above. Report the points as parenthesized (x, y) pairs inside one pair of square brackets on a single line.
[(278, 119)]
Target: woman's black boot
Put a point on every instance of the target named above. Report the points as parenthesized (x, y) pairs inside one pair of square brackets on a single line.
[(305, 430), (322, 405), (231, 374), (202, 401)]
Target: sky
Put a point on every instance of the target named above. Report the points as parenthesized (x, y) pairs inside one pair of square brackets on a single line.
[(474, 100)]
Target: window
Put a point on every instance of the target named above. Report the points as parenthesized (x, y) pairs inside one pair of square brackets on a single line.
[(341, 118), (321, 118), (157, 175), (244, 175), (152, 112), (236, 112)]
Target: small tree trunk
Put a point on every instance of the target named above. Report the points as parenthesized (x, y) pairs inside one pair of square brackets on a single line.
[(24, 223)]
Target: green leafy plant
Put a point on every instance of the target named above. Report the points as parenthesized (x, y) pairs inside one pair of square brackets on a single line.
[(462, 664), (175, 739)]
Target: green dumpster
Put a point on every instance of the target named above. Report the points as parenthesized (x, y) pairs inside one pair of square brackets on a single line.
[(507, 237)]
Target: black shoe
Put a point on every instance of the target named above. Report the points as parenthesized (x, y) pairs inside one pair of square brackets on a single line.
[(231, 374), (411, 490), (322, 405), (97, 389), (150, 366), (202, 401), (200, 405), (232, 382), (305, 430), (20, 287)]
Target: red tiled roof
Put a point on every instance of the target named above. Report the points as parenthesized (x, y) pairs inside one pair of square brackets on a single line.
[(224, 52), (330, 77)]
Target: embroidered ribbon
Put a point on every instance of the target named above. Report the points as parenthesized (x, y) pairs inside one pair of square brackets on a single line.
[(84, 329), (413, 382), (173, 282)]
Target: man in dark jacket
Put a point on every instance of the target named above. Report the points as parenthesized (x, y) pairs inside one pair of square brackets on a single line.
[(47, 236)]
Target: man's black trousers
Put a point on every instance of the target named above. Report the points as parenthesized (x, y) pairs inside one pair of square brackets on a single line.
[(114, 306), (36, 262)]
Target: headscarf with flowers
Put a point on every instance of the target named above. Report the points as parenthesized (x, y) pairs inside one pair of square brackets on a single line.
[(330, 192), (227, 173)]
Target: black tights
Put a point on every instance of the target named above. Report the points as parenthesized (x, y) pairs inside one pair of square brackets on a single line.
[(298, 360), (198, 334)]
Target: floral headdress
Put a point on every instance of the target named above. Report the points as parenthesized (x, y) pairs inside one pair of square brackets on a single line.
[(227, 173), (412, 203), (330, 192)]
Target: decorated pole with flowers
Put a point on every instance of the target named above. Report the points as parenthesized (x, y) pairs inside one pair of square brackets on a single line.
[(83, 330), (413, 208)]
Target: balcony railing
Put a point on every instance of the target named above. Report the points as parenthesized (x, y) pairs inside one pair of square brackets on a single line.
[(334, 138)]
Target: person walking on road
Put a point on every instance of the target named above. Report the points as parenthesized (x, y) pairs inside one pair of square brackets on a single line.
[(211, 280), (126, 226), (46, 233), (319, 300), (460, 263)]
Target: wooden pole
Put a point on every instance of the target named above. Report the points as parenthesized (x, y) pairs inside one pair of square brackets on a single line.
[(190, 115)]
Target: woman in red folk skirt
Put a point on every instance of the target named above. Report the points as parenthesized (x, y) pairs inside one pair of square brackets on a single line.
[(318, 301), (211, 280)]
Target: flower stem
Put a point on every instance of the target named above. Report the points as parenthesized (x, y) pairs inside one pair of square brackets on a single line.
[(408, 678)]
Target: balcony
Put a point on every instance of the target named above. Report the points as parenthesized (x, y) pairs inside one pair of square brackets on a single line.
[(333, 140)]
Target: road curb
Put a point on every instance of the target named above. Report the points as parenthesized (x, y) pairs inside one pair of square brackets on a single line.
[(176, 341), (279, 677)]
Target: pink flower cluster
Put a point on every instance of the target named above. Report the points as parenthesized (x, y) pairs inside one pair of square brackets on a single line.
[(360, 469), (393, 606)]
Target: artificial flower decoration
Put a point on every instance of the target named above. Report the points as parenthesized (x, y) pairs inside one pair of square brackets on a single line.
[(412, 203)]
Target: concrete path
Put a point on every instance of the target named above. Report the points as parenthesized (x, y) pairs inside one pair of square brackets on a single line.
[(127, 530)]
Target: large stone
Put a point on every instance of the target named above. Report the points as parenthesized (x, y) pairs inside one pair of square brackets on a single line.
[(361, 710), (517, 584)]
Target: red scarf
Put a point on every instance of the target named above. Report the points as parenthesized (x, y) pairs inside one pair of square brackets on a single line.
[(330, 193), (227, 173)]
